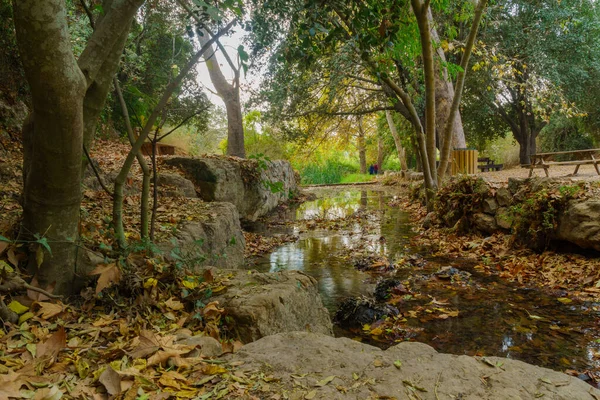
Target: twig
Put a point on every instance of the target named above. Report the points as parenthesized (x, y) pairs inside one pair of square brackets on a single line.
[(437, 383), (87, 154), (17, 283)]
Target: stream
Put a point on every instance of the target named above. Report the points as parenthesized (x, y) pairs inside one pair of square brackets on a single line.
[(495, 317)]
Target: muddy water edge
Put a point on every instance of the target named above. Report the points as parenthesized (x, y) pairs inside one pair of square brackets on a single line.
[(358, 247)]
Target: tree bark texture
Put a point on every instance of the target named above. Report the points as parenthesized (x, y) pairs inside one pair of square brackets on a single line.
[(421, 10), (230, 93), (399, 148), (444, 94), (449, 129), (362, 147), (53, 138)]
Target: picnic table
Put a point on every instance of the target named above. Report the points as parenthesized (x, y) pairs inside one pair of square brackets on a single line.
[(486, 164), (582, 157)]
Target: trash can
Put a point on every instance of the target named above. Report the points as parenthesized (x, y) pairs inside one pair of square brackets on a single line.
[(464, 161)]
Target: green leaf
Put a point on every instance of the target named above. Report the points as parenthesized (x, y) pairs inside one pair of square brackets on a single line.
[(4, 239), (44, 242)]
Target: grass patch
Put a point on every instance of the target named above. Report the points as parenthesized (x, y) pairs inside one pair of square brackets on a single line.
[(355, 178), (329, 172)]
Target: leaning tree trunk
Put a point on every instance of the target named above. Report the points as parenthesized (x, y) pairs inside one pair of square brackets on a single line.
[(399, 148), (230, 93), (421, 11), (362, 148), (444, 94), (380, 153), (53, 141)]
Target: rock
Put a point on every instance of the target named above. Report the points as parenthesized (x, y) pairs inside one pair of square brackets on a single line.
[(387, 287), (215, 239), (504, 218), (516, 184), (253, 190), (503, 197), (182, 187), (449, 272), (413, 176), (490, 205), (484, 223), (300, 362), (580, 224), (263, 304), (206, 345), (356, 312), (430, 220)]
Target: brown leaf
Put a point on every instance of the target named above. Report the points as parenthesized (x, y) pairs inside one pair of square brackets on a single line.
[(208, 276), (3, 246), (53, 344), (109, 274), (49, 310), (37, 296), (111, 381), (10, 385), (147, 344)]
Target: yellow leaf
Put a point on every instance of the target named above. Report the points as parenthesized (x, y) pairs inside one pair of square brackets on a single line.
[(213, 369), (25, 317), (564, 300), (5, 268), (189, 285), (150, 283), (325, 381), (377, 332), (17, 307), (310, 395)]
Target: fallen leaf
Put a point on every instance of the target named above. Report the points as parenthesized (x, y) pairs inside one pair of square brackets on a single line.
[(17, 307), (109, 274), (49, 310), (111, 381), (53, 344), (310, 395), (325, 381), (174, 304)]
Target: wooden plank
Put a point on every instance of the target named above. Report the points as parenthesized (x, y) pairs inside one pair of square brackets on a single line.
[(567, 152)]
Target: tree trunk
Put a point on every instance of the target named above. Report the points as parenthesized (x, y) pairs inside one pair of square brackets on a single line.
[(144, 207), (421, 11), (53, 140), (380, 153), (444, 94), (401, 151), (453, 112), (230, 93), (362, 148)]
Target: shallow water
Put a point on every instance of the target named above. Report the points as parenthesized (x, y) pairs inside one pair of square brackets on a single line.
[(496, 318)]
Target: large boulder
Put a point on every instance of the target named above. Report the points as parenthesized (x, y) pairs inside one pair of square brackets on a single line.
[(307, 365), (254, 187), (580, 224), (263, 304), (213, 238)]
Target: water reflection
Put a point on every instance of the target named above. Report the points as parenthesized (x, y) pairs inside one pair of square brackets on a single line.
[(323, 253), (495, 317)]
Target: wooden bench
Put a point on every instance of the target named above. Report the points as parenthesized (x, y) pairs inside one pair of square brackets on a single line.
[(486, 164), (546, 160)]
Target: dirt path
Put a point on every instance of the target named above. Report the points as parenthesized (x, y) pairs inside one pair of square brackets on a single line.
[(586, 173)]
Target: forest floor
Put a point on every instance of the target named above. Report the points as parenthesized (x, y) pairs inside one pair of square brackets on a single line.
[(586, 172), (130, 335)]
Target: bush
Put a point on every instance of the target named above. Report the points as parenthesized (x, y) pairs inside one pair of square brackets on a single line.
[(331, 171)]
